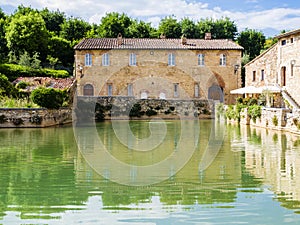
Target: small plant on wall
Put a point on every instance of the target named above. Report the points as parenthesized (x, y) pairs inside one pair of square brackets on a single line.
[(3, 119), (17, 121)]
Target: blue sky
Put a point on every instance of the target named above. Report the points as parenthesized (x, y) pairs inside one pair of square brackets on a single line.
[(268, 16)]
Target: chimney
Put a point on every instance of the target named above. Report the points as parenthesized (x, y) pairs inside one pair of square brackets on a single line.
[(207, 36), (119, 39), (183, 40)]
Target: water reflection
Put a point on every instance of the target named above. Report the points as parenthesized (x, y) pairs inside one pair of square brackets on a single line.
[(275, 157), (45, 179)]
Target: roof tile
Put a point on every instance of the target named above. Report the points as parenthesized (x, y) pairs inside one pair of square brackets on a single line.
[(149, 43)]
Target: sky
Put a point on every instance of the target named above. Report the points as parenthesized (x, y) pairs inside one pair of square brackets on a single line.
[(268, 16)]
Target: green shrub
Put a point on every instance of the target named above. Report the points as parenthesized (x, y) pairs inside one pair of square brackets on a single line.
[(49, 98), (13, 71), (234, 112), (6, 87), (254, 111), (22, 85)]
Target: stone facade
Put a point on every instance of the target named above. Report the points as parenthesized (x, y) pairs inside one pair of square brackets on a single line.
[(152, 77), (279, 66), (263, 69)]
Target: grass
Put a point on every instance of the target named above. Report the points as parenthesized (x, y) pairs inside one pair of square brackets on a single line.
[(6, 102)]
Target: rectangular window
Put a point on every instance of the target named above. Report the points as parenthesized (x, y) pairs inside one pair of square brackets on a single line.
[(132, 59), (200, 59), (262, 74), (283, 42), (171, 59), (109, 90), (196, 90), (253, 76), (88, 59), (176, 91), (129, 90), (105, 59), (222, 60), (292, 40)]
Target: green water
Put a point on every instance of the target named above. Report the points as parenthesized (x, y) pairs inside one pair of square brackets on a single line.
[(233, 175)]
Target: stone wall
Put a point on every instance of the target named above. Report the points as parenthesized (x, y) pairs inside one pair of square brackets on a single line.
[(106, 108), (38, 117), (267, 62), (273, 118)]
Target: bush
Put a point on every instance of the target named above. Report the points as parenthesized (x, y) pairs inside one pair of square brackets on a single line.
[(22, 85), (6, 88), (254, 111), (13, 71), (234, 112), (49, 98)]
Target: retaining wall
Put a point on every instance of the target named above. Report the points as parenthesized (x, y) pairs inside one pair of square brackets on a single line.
[(131, 108), (34, 117)]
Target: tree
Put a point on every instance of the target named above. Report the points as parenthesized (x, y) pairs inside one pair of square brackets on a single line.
[(140, 29), (27, 33), (269, 43), (189, 28), (3, 44), (53, 20), (205, 26), (252, 41), (2, 14), (61, 49), (74, 29), (220, 29), (23, 10), (169, 27), (113, 24)]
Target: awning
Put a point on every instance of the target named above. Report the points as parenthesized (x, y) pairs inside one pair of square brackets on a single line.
[(271, 88), (246, 90), (256, 90)]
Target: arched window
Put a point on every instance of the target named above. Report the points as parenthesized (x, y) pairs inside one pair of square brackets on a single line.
[(88, 90)]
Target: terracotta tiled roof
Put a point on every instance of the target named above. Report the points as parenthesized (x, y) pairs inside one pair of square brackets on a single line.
[(287, 33), (34, 82), (148, 43)]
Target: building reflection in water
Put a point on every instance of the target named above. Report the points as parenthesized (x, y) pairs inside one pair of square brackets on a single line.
[(274, 156)]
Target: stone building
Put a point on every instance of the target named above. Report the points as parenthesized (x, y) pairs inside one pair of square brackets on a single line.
[(278, 68), (158, 68)]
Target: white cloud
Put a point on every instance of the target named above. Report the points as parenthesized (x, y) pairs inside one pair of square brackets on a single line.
[(152, 11), (278, 19)]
